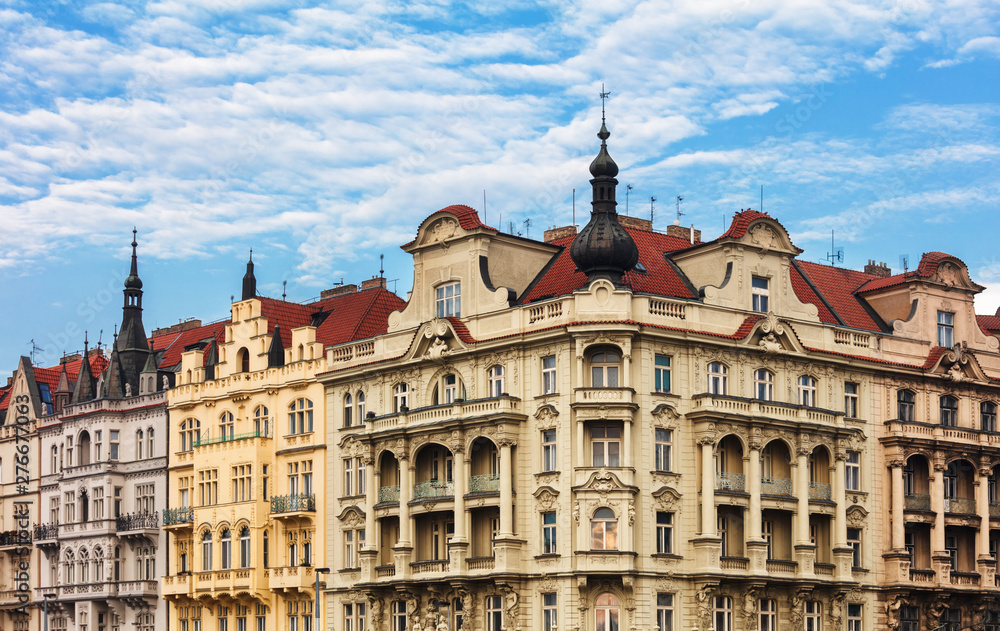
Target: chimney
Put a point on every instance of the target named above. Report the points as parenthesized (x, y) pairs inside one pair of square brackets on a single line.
[(877, 269), (558, 233), (70, 358), (338, 291), (682, 232), (186, 325), (374, 281), (635, 223)]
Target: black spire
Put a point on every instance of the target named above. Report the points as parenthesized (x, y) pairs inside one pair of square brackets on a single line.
[(249, 281), (212, 360), (276, 354), (114, 382), (84, 390), (603, 249), (131, 344)]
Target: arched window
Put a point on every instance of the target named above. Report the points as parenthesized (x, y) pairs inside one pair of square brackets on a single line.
[(607, 613), (243, 359), (244, 546), (300, 417), (949, 411), (604, 530), (987, 415), (401, 397), (495, 381), (261, 423), (807, 391), (138, 444), (98, 565), (149, 443), (190, 433), (448, 388), (361, 406), (84, 576), (206, 551), (348, 410), (718, 379), (225, 550), (227, 426), (70, 573), (604, 368), (904, 405), (763, 382)]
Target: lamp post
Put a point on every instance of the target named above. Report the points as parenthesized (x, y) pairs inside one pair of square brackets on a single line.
[(45, 608), (319, 570)]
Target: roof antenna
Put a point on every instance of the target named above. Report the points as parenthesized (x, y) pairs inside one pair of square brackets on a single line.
[(836, 255), (527, 227), (604, 95), (36, 348), (628, 189), (232, 298), (284, 286), (381, 271), (100, 336), (761, 198), (904, 262), (651, 200), (485, 221), (679, 213), (574, 207)]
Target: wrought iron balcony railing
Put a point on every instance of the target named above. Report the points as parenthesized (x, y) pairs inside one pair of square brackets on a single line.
[(484, 483), (181, 515), (727, 481), (13, 538), (137, 521), (229, 438), (293, 503), (46, 531), (434, 488), (819, 491), (914, 501), (388, 494), (775, 486)]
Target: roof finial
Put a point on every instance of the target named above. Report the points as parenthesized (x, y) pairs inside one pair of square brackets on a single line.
[(251, 254), (604, 95)]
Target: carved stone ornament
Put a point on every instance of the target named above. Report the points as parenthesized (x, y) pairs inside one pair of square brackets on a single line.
[(771, 324), (763, 236), (546, 417), (856, 517), (546, 497), (770, 344), (665, 416), (666, 498), (442, 230)]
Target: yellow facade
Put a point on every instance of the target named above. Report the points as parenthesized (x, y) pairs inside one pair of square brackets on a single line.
[(245, 518)]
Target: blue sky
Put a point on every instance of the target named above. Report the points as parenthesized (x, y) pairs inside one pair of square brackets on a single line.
[(320, 135)]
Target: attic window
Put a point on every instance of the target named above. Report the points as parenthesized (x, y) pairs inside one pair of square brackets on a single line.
[(946, 328), (640, 268), (319, 317), (449, 300)]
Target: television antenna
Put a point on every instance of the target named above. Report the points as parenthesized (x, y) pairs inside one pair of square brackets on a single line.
[(381, 266), (628, 189), (35, 348), (679, 213), (836, 253), (904, 262), (651, 208), (527, 227)]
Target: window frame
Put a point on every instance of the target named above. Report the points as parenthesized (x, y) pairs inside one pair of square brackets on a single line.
[(550, 450), (768, 615), (760, 295), (550, 533), (808, 388), (854, 541), (763, 379), (604, 530), (448, 299), (718, 378), (722, 613), (852, 471), (662, 373), (946, 328), (663, 447), (300, 416), (664, 532), (549, 382), (906, 403), (607, 441), (495, 381), (948, 406), (988, 416), (400, 397), (605, 372), (851, 399)]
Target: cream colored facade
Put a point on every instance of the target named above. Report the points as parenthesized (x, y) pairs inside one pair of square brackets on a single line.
[(774, 496), (246, 451)]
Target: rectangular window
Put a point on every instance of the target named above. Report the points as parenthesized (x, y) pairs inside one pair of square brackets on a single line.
[(661, 373), (760, 294), (398, 615), (854, 620), (550, 612), (449, 300), (605, 445), (854, 541), (548, 375), (768, 615), (494, 613), (723, 526), (208, 486), (549, 450), (814, 617), (242, 483), (664, 612), (909, 618), (549, 533), (853, 471), (946, 329), (767, 532), (951, 546), (354, 617), (664, 533), (98, 446), (113, 447), (118, 501), (360, 484), (98, 493), (850, 400), (663, 443), (348, 476), (723, 613)]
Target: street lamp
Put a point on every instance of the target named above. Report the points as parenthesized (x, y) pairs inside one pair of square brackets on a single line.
[(45, 608), (319, 570)]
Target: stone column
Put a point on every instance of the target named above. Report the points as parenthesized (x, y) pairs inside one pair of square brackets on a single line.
[(986, 564), (627, 444), (582, 459), (707, 486), (405, 494), (940, 559), (805, 551), (506, 490), (458, 547), (372, 479), (843, 555), (756, 546), (898, 505)]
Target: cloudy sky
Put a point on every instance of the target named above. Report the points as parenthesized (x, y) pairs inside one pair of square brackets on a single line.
[(320, 135)]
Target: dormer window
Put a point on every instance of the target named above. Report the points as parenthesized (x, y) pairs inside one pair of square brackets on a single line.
[(946, 328), (760, 292), (449, 300)]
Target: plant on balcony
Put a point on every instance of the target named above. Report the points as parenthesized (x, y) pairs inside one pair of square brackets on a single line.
[(370, 414)]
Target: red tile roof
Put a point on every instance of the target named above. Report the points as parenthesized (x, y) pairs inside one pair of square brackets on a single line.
[(989, 323), (357, 316), (173, 344), (4, 397), (741, 222), (837, 285), (928, 267), (467, 216), (50, 376), (660, 279)]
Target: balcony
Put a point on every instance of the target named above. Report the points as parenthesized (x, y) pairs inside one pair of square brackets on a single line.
[(433, 488), (46, 535), (479, 564), (714, 405), (82, 591), (970, 579), (778, 566), (295, 503), (994, 509), (727, 481), (10, 598), (179, 585), (385, 571), (229, 438), (183, 516), (429, 567), (605, 396), (960, 505), (136, 591), (12, 540), (739, 564), (138, 525), (292, 579), (502, 406), (484, 484), (915, 501), (388, 494), (94, 527), (922, 576), (820, 491), (777, 486)]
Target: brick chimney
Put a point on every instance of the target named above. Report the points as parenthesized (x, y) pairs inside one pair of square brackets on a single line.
[(374, 281), (635, 223), (558, 233), (72, 358), (877, 269), (338, 291), (186, 325), (683, 232)]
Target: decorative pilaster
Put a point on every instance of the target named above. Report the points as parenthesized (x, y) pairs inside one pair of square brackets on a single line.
[(805, 551)]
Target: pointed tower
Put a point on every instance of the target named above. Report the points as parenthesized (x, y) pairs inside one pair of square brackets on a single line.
[(86, 388), (63, 391), (276, 353), (131, 344), (114, 381), (249, 281), (603, 249), (147, 378), (211, 361)]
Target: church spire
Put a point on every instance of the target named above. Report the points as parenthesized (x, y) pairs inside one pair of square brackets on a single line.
[(131, 344), (249, 280), (603, 249)]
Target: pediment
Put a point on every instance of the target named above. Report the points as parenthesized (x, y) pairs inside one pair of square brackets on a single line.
[(767, 235), (604, 481), (352, 515), (951, 272), (773, 337), (439, 228), (958, 364), (666, 497), (436, 340)]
